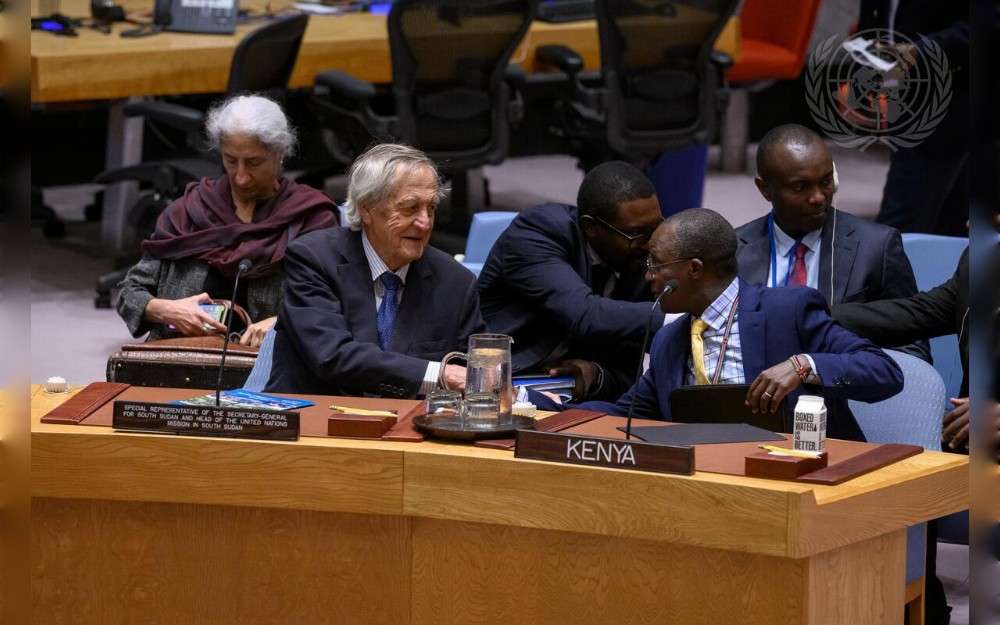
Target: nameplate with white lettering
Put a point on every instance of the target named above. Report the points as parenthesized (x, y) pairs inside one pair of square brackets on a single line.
[(224, 422), (604, 452)]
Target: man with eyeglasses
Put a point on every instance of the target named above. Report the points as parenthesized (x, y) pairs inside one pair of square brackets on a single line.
[(566, 282), (780, 341), (805, 241)]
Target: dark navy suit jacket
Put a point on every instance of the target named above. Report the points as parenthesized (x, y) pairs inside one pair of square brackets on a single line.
[(536, 286), (869, 263), (774, 325), (326, 338)]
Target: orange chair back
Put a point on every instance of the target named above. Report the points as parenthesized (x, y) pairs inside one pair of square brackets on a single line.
[(775, 38)]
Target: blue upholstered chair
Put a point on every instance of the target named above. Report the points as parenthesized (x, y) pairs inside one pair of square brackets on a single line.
[(913, 416), (486, 228), (261, 371), (934, 259)]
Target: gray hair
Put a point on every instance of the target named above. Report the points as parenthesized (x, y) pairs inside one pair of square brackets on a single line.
[(370, 179), (252, 116)]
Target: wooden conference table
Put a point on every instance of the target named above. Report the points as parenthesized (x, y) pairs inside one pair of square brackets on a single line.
[(136, 528), (95, 66), (98, 66)]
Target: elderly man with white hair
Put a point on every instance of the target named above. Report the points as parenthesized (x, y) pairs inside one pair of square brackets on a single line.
[(371, 309), (252, 212)]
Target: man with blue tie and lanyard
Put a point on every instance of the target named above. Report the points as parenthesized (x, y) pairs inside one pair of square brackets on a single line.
[(805, 241)]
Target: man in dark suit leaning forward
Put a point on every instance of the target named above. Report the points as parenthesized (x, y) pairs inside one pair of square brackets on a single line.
[(805, 241), (371, 309), (780, 340), (566, 282)]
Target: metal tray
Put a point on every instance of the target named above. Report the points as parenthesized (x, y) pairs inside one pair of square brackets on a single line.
[(451, 427)]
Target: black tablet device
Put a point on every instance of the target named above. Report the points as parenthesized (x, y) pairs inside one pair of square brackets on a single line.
[(723, 403)]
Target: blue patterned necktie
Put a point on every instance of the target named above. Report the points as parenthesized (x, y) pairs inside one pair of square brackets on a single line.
[(386, 317)]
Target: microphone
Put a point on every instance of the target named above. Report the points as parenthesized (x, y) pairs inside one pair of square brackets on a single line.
[(244, 267), (668, 288)]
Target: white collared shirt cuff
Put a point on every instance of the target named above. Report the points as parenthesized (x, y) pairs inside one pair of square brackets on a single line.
[(430, 382)]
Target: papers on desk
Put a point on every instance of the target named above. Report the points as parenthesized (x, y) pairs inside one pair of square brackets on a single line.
[(245, 399), (703, 433), (559, 385), (316, 8), (545, 382)]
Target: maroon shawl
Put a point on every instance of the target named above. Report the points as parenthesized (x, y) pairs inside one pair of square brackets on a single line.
[(202, 224)]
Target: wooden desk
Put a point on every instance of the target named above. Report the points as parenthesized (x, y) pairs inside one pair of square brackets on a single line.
[(97, 66), (131, 528)]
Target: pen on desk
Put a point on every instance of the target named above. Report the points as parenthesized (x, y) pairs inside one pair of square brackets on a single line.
[(785, 451), (362, 412)]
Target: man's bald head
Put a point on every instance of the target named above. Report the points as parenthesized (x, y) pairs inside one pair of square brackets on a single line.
[(699, 233), (781, 139), (696, 249)]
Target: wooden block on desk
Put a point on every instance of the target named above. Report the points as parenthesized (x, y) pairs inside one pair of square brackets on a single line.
[(80, 406), (358, 426), (880, 456), (777, 467)]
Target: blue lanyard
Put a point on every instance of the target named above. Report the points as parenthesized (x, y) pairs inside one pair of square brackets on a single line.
[(773, 243)]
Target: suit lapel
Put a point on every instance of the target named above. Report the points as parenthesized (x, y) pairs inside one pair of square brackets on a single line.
[(753, 336), (675, 357), (845, 248), (358, 290), (583, 264), (754, 256), (408, 318)]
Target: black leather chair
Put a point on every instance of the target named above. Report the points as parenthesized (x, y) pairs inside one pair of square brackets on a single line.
[(262, 63), (452, 93), (661, 84)]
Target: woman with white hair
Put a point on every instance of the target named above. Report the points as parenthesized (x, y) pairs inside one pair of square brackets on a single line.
[(250, 213)]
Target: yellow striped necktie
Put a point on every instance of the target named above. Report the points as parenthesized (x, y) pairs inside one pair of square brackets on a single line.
[(698, 327)]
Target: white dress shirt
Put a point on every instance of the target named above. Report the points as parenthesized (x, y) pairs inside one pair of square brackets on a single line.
[(783, 247)]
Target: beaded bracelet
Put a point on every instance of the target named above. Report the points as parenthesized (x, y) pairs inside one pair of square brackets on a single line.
[(800, 369)]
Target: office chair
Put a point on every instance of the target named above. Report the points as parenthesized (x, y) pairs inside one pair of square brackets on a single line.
[(486, 228), (262, 62), (912, 416), (934, 258), (775, 38), (452, 94), (661, 85)]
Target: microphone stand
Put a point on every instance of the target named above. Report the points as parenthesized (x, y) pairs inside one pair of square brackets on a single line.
[(244, 266), (667, 288)]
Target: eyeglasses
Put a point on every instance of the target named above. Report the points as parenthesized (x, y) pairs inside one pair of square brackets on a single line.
[(634, 240), (651, 267)]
